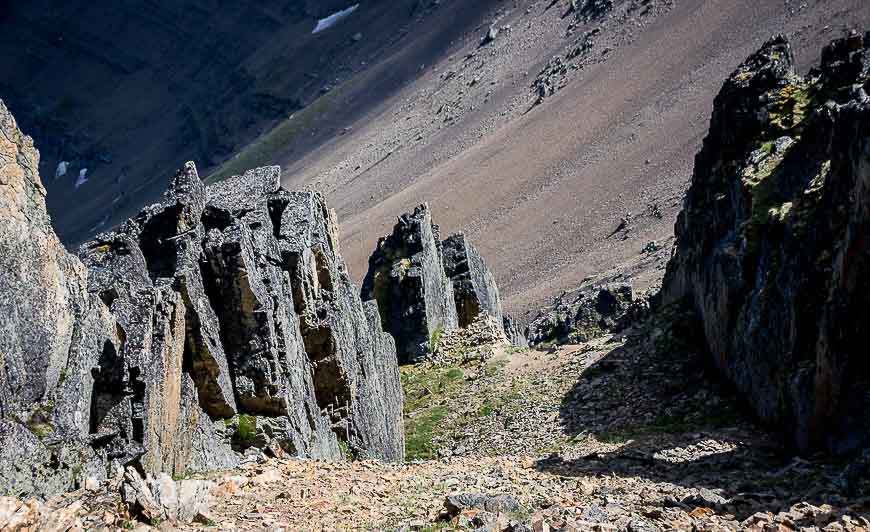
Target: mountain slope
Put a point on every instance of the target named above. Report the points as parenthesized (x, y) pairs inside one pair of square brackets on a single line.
[(542, 189), (129, 91), (400, 103)]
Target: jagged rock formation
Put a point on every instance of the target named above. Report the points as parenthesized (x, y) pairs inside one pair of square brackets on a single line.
[(212, 317), (584, 314), (474, 288), (772, 244), (407, 280)]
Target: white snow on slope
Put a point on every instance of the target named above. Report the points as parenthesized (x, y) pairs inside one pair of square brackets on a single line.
[(332, 19)]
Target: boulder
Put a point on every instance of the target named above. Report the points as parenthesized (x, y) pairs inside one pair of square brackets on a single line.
[(158, 499), (772, 251), (584, 314), (514, 333), (211, 313), (406, 278)]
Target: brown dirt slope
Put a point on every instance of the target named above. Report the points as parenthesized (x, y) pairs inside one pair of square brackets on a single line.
[(542, 188)]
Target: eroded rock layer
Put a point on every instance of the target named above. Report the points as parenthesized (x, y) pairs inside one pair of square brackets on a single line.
[(212, 321), (772, 244)]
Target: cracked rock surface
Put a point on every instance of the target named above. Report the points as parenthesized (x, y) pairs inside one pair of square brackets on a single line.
[(407, 280)]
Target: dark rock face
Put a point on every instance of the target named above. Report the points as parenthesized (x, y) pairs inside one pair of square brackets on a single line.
[(772, 245), (474, 288), (211, 315), (406, 278), (584, 314)]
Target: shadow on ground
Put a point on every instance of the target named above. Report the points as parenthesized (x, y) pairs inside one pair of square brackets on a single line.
[(652, 408)]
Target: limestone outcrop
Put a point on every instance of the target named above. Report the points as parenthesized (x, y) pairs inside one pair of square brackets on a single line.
[(407, 280), (772, 248), (218, 318)]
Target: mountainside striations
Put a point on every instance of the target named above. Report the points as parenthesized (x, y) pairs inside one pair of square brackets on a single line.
[(217, 320), (772, 246)]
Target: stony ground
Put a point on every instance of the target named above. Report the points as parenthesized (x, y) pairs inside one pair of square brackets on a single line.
[(622, 433)]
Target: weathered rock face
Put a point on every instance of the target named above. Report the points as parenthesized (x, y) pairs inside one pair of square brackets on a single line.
[(213, 316), (772, 245), (584, 314), (53, 331), (407, 280), (474, 288)]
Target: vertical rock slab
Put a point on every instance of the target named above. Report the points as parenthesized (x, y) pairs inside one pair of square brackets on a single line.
[(252, 292), (355, 374), (474, 289), (160, 399), (51, 332), (406, 277), (772, 246)]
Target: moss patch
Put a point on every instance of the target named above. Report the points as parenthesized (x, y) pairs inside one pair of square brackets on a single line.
[(435, 339)]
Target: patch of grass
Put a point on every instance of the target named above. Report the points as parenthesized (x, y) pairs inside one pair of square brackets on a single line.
[(267, 148), (427, 391), (493, 367), (422, 384), (346, 451), (420, 431), (39, 423), (247, 427), (435, 339)]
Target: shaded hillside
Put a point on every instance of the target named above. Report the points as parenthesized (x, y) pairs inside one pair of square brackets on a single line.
[(130, 90)]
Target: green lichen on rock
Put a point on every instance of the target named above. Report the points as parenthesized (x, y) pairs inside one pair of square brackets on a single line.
[(40, 421), (791, 105)]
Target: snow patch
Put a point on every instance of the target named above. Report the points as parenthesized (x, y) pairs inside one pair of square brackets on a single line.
[(61, 169), (83, 177), (332, 19)]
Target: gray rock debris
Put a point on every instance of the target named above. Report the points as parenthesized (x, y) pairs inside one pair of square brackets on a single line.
[(406, 278), (206, 313), (158, 499)]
